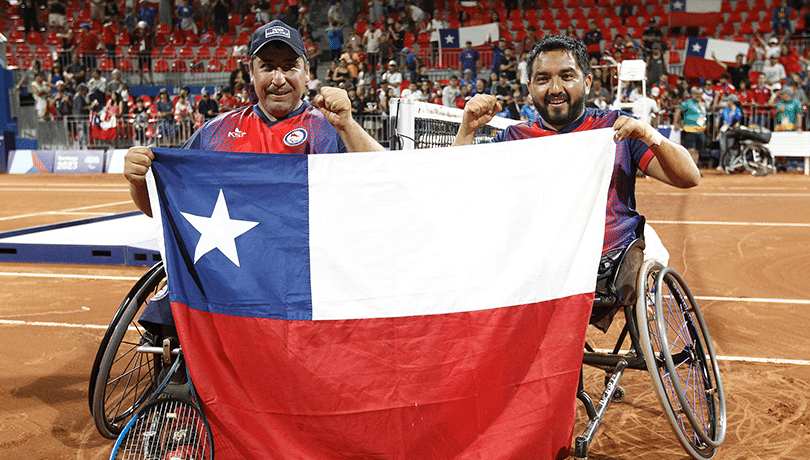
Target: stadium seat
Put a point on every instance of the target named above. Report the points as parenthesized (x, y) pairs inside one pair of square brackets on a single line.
[(764, 27), (179, 65), (106, 65), (13, 62), (222, 53), (753, 76), (708, 31), (234, 20), (680, 43), (410, 39), (243, 39), (23, 51), (658, 11), (230, 65), (614, 22), (226, 40), (578, 13), (549, 24), (674, 57), (161, 65), (588, 3), (214, 65), (35, 38), (16, 36), (186, 52), (728, 29), (546, 14), (622, 30), (746, 28), (163, 29), (594, 13), (753, 16), (178, 38), (557, 4), (160, 40), (203, 53), (572, 4), (42, 51), (423, 39), (759, 5), (515, 16), (532, 15), (725, 7), (582, 24), (249, 22), (631, 21), (47, 63), (125, 65), (741, 6), (562, 13), (734, 16), (168, 52)]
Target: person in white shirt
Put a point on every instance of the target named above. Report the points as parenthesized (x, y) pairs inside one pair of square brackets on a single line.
[(451, 92), (774, 73), (371, 42), (393, 76)]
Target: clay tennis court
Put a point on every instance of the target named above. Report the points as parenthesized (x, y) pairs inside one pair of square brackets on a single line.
[(740, 242)]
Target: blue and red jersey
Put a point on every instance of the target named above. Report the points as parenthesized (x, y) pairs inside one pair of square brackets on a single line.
[(631, 154), (303, 131)]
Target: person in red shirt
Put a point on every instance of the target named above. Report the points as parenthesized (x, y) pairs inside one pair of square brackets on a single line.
[(761, 95), (228, 101), (746, 97), (108, 39), (88, 46), (789, 59), (721, 88)]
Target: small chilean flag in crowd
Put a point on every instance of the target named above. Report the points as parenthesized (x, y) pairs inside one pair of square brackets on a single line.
[(695, 12), (699, 51), (103, 125), (423, 304)]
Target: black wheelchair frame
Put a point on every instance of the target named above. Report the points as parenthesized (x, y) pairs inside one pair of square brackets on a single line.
[(669, 339), (667, 333), (747, 151)]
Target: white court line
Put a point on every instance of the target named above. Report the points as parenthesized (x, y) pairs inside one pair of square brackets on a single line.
[(51, 184), (82, 208), (58, 189), (733, 194), (13, 322), (753, 299), (738, 224), (81, 277), (740, 359)]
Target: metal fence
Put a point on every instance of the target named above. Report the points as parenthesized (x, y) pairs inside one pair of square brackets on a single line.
[(78, 133)]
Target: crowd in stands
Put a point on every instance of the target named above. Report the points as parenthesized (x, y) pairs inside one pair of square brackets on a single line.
[(381, 49)]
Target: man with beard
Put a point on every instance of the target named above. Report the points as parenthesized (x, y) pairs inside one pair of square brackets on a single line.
[(560, 77)]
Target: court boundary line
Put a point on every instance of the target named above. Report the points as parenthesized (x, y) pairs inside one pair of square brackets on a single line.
[(81, 208), (737, 224)]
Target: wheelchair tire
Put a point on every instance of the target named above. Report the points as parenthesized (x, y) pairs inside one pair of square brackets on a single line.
[(654, 283), (757, 160), (124, 378)]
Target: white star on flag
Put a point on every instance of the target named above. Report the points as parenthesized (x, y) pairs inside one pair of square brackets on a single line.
[(696, 48), (218, 231), (449, 39)]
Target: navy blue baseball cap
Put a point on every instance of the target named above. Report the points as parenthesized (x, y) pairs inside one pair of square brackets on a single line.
[(277, 31)]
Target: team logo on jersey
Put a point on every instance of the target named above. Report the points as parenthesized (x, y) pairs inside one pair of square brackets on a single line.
[(295, 137), (237, 133)]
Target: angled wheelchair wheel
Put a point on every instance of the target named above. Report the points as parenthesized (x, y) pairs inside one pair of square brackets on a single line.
[(122, 377), (680, 360), (757, 160)]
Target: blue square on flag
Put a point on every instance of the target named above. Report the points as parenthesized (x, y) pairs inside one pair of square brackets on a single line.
[(696, 47), (449, 38)]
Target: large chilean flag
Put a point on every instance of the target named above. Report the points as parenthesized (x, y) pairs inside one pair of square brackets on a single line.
[(424, 304)]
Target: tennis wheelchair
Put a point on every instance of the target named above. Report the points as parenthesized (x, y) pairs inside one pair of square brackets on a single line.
[(747, 151), (131, 359), (668, 338)]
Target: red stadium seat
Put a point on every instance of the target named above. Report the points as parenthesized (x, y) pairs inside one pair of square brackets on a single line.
[(680, 43), (230, 65), (42, 52), (13, 63), (759, 5), (23, 51), (169, 52), (515, 16), (725, 7), (52, 38), (746, 28), (410, 39), (741, 6), (163, 29), (47, 63), (578, 13), (557, 4), (35, 38), (709, 31), (764, 27), (16, 36), (562, 13), (204, 53), (243, 39), (734, 16), (160, 40), (674, 57), (161, 65), (658, 11), (588, 3), (179, 66), (178, 38), (572, 4), (728, 29), (125, 65), (631, 21), (550, 23), (563, 23), (226, 40), (753, 16), (106, 65), (615, 22), (214, 65), (222, 53), (186, 52), (582, 24)]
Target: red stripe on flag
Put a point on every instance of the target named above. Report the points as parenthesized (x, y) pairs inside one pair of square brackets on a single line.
[(680, 18), (493, 384), (695, 67)]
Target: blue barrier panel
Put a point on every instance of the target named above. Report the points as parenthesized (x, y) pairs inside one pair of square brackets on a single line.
[(79, 161), (23, 161)]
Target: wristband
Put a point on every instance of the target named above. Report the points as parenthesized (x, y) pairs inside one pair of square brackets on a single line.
[(653, 137)]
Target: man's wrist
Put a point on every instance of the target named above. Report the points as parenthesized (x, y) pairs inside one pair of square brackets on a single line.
[(653, 136)]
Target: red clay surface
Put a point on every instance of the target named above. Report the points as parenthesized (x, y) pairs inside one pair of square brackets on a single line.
[(740, 242)]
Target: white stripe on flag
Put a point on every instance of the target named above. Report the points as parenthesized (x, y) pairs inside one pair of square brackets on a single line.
[(457, 229), (725, 50), (703, 6), (478, 35)]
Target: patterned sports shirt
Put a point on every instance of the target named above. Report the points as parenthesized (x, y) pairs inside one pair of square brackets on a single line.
[(631, 154), (303, 131)]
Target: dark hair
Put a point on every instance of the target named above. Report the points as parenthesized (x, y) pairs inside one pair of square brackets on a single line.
[(561, 43)]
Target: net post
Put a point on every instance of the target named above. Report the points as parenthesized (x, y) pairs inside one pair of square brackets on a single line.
[(403, 111)]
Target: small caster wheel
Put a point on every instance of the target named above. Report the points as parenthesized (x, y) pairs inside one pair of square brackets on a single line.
[(618, 395)]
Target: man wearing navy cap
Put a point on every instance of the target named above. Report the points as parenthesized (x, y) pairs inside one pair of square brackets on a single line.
[(280, 122)]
